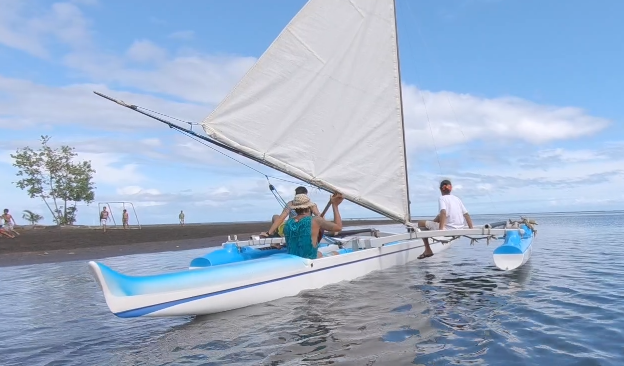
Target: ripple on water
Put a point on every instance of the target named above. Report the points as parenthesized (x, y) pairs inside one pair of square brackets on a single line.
[(564, 307)]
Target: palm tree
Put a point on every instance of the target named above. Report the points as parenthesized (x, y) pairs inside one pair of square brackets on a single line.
[(31, 217)]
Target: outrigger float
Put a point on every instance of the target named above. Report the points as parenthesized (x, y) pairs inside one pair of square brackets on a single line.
[(334, 70)]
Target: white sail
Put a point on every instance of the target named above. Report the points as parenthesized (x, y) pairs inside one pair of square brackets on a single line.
[(323, 104)]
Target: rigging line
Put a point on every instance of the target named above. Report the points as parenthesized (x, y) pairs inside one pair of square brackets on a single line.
[(435, 148), (201, 142), (276, 194), (164, 115), (220, 152), (437, 66), (240, 162)]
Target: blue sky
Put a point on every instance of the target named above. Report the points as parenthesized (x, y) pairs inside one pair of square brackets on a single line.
[(521, 97)]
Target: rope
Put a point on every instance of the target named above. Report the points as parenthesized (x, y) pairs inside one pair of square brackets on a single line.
[(274, 191), (238, 161), (437, 66), (277, 196)]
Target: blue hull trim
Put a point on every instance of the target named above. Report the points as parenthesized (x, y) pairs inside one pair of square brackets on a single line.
[(231, 254), (153, 308), (516, 243)]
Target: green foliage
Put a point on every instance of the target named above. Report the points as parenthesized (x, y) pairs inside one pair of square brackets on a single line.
[(31, 217), (54, 176)]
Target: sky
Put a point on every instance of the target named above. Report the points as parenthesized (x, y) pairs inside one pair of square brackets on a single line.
[(518, 102)]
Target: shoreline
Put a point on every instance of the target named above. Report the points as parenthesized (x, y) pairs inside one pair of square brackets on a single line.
[(54, 244)]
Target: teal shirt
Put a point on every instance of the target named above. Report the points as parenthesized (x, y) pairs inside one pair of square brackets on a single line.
[(299, 237)]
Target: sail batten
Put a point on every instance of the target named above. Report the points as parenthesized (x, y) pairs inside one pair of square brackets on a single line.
[(323, 105)]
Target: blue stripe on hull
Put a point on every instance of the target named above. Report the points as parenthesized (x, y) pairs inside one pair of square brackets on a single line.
[(153, 308)]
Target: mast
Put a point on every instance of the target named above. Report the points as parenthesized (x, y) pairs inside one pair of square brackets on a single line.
[(396, 37)]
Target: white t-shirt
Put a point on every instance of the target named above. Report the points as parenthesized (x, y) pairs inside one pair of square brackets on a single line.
[(455, 211)]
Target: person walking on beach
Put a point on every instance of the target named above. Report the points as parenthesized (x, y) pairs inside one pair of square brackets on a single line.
[(104, 218), (181, 217), (9, 222), (301, 231), (124, 219)]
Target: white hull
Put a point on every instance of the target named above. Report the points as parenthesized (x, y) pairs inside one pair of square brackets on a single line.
[(273, 282)]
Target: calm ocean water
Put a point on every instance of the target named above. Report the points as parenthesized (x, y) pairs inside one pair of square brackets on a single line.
[(564, 307)]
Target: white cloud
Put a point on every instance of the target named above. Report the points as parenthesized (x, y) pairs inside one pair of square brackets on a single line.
[(191, 76), (134, 190), (459, 118), (85, 2), (152, 142), (27, 29), (182, 35), (530, 166), (146, 51), (25, 104), (568, 156), (112, 169)]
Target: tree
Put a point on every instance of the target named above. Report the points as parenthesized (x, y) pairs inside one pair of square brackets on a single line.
[(54, 176), (31, 217)]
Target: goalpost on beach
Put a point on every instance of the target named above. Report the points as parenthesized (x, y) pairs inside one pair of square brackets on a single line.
[(119, 207)]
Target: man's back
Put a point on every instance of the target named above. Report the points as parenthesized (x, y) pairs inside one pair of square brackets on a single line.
[(455, 211)]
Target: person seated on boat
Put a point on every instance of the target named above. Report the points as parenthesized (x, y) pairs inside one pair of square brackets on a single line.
[(278, 221), (301, 231), (452, 215)]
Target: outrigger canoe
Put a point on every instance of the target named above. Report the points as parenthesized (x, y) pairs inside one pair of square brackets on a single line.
[(323, 104), (237, 280)]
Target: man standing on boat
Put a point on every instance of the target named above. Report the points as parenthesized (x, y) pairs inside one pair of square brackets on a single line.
[(452, 215), (301, 231), (278, 222)]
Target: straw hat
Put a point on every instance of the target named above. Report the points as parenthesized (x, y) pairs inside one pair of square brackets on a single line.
[(301, 201)]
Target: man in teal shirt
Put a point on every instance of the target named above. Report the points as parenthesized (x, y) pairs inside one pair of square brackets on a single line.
[(301, 231)]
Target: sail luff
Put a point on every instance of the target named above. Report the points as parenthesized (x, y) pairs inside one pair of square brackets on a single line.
[(398, 58), (323, 104)]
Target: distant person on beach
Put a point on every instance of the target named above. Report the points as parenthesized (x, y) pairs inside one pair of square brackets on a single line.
[(452, 215), (301, 231), (181, 217), (5, 232), (9, 222), (104, 218), (124, 218), (278, 221)]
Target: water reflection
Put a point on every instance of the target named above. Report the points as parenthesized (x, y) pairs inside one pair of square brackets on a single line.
[(562, 307)]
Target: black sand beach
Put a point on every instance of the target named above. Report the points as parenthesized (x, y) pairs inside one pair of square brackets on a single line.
[(54, 244)]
